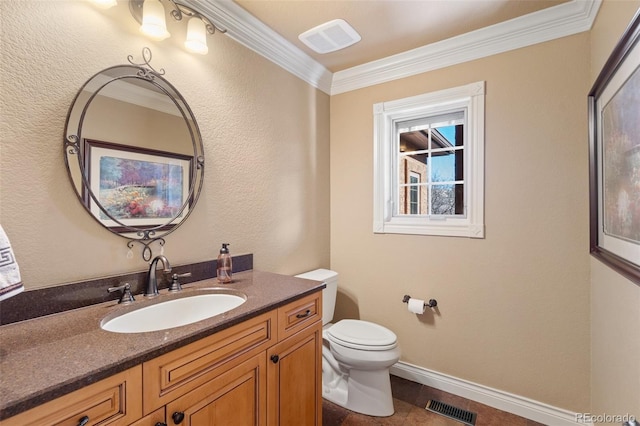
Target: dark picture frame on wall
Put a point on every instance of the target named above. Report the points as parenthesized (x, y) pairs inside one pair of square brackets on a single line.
[(140, 188), (614, 157)]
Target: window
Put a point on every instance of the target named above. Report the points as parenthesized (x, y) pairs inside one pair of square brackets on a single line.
[(429, 163)]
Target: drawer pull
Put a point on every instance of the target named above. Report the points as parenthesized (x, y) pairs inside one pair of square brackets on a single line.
[(83, 421), (275, 359), (178, 417), (306, 314), (160, 424)]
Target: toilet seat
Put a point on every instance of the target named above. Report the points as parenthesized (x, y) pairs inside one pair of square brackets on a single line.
[(361, 335)]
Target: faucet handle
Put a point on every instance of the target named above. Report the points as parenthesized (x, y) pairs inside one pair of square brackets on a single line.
[(175, 284), (126, 297)]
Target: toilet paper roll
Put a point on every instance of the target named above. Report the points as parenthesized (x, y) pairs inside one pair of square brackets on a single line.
[(416, 306)]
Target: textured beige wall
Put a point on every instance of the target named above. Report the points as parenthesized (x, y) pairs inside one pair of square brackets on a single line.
[(615, 301), (266, 137), (513, 308)]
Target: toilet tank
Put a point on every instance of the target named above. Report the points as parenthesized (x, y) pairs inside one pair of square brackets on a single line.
[(330, 278)]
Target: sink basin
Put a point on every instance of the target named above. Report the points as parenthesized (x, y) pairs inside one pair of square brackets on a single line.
[(172, 313)]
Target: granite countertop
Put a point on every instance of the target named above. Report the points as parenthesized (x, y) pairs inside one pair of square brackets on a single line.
[(47, 357)]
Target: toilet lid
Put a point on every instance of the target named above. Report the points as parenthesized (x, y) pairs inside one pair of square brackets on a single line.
[(364, 335)]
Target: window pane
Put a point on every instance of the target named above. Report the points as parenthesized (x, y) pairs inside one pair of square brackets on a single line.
[(447, 199), (447, 166), (413, 199), (414, 141), (412, 193), (412, 165), (443, 136)]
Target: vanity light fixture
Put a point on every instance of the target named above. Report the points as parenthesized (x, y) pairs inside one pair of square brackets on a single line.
[(151, 15), (153, 23), (196, 41)]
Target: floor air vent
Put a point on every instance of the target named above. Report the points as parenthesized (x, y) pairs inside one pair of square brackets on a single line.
[(464, 416)]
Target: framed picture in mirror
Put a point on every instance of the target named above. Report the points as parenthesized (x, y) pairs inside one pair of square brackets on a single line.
[(614, 136), (133, 188)]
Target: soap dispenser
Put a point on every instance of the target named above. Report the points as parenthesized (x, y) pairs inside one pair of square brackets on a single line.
[(224, 265)]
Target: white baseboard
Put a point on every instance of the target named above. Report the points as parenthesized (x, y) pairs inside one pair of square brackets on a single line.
[(515, 404)]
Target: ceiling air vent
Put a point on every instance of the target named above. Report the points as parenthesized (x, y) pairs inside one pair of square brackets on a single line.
[(330, 36)]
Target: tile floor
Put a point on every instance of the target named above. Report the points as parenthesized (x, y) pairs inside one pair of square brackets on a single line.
[(409, 401)]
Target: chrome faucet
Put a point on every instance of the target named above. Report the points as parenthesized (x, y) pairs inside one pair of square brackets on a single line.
[(152, 281)]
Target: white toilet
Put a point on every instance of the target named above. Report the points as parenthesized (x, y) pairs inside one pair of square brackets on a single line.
[(356, 356)]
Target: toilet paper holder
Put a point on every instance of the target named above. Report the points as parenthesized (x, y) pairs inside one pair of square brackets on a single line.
[(432, 302)]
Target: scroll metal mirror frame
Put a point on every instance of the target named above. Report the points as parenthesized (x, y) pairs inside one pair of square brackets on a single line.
[(127, 182)]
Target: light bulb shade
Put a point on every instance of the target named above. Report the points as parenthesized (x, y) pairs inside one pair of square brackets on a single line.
[(196, 41), (153, 21), (105, 4)]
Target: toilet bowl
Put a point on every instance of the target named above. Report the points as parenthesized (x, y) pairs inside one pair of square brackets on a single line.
[(356, 357)]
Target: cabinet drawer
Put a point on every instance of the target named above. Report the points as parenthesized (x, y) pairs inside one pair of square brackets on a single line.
[(173, 374), (112, 401), (299, 314)]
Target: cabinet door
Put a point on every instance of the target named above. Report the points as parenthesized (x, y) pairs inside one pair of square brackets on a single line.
[(294, 379), (235, 398)]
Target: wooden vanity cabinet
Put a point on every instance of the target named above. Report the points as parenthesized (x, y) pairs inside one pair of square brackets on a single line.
[(271, 373), (266, 370), (294, 365)]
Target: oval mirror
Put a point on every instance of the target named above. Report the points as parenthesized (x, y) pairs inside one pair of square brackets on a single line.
[(134, 153)]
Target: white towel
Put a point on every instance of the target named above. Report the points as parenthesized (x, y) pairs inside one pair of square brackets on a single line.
[(10, 281)]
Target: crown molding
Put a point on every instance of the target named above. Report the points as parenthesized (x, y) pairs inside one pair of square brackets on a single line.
[(558, 21), (563, 20), (247, 30)]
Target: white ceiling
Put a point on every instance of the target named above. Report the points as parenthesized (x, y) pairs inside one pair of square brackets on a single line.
[(387, 27), (399, 37)]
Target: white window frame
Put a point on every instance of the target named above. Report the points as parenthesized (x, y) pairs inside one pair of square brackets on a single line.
[(469, 98)]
